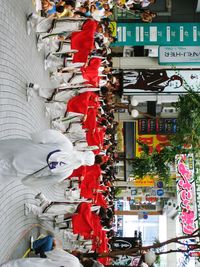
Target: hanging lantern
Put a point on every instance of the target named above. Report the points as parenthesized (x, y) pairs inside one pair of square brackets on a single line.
[(134, 113)]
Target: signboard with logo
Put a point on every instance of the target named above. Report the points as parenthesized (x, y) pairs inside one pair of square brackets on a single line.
[(123, 243), (140, 34), (147, 181), (179, 55), (149, 81)]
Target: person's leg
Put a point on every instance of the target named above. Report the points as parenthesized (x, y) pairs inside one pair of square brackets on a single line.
[(31, 208), (77, 79), (43, 199), (43, 245)]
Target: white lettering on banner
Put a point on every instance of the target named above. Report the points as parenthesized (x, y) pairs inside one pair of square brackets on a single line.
[(195, 33), (142, 34), (168, 34), (181, 34), (119, 34), (137, 34), (124, 34), (153, 36)]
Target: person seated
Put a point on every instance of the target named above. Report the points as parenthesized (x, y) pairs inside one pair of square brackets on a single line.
[(42, 245)]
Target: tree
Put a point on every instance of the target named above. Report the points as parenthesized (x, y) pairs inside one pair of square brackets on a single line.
[(188, 121), (184, 241), (156, 163)]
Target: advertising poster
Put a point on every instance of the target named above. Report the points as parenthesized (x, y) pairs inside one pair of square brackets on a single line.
[(144, 81)]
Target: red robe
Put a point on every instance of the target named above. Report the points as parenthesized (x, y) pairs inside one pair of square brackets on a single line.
[(79, 103), (90, 122), (90, 181), (82, 221), (83, 41), (90, 72), (81, 171)]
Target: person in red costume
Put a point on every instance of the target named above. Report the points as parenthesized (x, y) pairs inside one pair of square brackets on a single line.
[(90, 182), (80, 173), (90, 71), (79, 103), (83, 41)]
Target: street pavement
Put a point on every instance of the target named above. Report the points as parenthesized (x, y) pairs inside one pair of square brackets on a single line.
[(20, 63)]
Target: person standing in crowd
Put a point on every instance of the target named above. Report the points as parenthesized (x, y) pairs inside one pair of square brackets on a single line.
[(48, 157)]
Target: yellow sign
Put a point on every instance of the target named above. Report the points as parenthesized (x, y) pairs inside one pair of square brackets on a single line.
[(120, 138), (113, 28), (147, 181)]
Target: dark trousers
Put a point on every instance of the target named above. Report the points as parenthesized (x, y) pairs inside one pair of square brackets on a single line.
[(43, 245)]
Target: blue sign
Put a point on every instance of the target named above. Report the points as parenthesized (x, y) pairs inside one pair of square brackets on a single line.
[(160, 192)]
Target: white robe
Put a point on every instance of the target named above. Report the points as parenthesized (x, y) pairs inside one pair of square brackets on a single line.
[(25, 159), (55, 258)]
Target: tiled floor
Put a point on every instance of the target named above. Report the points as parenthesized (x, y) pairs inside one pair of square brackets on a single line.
[(20, 63)]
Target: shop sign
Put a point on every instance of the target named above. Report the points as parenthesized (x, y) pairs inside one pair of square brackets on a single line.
[(123, 243), (186, 193), (147, 181), (173, 34), (179, 55), (157, 126)]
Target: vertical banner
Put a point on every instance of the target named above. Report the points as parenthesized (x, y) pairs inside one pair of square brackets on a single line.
[(186, 193), (144, 81)]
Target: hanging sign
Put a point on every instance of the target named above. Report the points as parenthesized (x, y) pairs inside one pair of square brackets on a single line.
[(140, 34)]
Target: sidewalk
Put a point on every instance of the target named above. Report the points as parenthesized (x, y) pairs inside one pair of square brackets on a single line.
[(20, 63)]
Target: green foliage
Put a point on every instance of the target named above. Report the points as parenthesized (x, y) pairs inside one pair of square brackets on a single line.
[(188, 134), (188, 107), (155, 163)]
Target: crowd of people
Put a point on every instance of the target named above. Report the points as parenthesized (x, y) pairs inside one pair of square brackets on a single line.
[(81, 144)]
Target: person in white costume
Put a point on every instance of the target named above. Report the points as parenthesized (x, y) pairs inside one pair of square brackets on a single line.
[(55, 258), (46, 25), (48, 157), (48, 209)]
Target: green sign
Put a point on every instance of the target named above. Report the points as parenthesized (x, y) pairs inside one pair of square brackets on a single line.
[(158, 34)]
